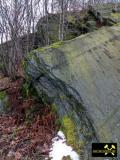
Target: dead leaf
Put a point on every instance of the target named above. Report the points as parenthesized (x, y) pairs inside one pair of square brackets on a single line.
[(18, 155), (10, 154)]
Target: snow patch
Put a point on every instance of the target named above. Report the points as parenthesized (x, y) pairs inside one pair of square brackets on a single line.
[(60, 148)]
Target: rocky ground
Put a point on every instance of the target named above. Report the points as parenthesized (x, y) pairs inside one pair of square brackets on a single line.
[(23, 138)]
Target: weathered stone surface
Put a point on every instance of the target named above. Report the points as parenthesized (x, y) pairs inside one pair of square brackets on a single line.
[(107, 13), (82, 78)]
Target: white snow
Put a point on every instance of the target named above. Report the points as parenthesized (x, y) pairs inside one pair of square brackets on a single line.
[(60, 148)]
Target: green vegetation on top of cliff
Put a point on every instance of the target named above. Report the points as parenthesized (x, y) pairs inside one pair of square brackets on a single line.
[(75, 25), (53, 45)]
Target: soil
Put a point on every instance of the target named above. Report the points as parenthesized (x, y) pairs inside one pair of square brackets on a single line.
[(22, 138)]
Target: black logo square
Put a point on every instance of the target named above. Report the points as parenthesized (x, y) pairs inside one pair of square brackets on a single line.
[(104, 149)]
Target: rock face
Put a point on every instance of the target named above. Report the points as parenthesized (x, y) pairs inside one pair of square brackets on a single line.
[(81, 77), (76, 23), (108, 14)]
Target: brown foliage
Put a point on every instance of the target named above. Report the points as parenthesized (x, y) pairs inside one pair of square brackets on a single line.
[(19, 138)]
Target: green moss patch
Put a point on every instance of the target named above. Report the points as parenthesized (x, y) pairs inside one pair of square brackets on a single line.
[(115, 15), (71, 19), (118, 24), (56, 45), (28, 91), (41, 49), (69, 129), (4, 103), (2, 95)]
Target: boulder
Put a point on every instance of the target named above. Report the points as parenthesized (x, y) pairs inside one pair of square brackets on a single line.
[(81, 78), (75, 24)]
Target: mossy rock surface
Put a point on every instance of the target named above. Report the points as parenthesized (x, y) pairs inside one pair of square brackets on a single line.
[(108, 14), (73, 27), (69, 130), (81, 78)]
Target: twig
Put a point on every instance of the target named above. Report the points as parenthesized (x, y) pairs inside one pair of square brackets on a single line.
[(1, 90)]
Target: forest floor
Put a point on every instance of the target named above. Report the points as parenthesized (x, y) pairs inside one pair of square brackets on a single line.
[(21, 139)]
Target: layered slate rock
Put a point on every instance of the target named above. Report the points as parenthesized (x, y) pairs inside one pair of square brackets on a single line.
[(81, 78), (108, 14)]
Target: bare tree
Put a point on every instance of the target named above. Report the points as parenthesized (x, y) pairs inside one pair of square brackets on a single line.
[(47, 22), (17, 19)]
